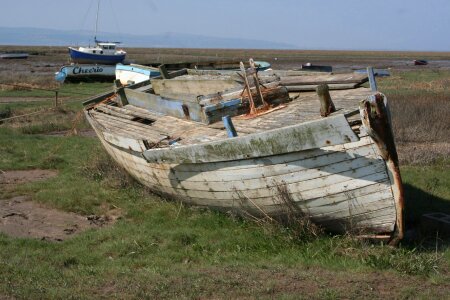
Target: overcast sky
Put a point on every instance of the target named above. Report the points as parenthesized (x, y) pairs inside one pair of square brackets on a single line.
[(307, 24)]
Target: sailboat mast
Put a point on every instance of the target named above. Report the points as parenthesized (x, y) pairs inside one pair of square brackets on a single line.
[(96, 21)]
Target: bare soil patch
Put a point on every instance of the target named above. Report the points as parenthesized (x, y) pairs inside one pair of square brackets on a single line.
[(318, 283), (21, 217), (22, 176), (271, 283)]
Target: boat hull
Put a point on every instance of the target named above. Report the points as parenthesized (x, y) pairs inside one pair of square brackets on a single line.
[(343, 188), (90, 58), (77, 73), (134, 74), (14, 56)]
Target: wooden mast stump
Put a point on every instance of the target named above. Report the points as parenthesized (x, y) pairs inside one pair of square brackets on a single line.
[(326, 104)]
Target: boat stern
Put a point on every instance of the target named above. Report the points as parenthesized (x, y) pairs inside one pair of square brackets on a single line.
[(376, 121)]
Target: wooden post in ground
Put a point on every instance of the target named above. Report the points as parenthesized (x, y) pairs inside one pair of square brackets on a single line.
[(372, 80), (326, 104), (56, 98)]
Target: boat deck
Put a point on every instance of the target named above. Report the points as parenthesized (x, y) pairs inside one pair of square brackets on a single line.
[(159, 130)]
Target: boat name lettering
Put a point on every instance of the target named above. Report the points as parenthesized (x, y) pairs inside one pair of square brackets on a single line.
[(81, 70)]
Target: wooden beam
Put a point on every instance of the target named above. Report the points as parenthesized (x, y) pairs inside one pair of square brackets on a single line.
[(306, 88), (194, 86), (163, 71), (372, 80), (319, 79), (247, 86), (119, 90), (333, 130)]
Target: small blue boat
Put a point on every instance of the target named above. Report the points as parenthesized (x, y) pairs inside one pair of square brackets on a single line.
[(103, 53)]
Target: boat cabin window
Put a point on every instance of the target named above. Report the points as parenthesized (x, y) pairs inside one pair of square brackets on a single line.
[(108, 47)]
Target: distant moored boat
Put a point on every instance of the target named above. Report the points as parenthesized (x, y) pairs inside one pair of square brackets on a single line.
[(16, 55), (103, 53)]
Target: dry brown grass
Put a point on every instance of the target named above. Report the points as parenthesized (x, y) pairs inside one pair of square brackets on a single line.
[(421, 127)]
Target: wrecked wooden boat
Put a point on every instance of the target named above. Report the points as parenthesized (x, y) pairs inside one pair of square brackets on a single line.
[(255, 149)]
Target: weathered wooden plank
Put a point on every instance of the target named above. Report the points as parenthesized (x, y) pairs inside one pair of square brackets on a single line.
[(171, 107), (299, 191), (124, 142), (144, 113), (115, 129), (131, 127), (197, 86), (107, 110), (351, 206), (309, 135), (128, 110), (234, 93), (262, 74), (243, 181), (250, 169), (312, 87), (270, 203), (320, 79), (351, 149), (264, 197)]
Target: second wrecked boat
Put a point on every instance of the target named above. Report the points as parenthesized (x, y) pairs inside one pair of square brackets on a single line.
[(338, 167)]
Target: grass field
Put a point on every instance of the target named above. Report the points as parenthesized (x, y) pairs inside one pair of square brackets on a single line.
[(162, 249)]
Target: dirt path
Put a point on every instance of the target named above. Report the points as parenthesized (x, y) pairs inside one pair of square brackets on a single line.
[(21, 217)]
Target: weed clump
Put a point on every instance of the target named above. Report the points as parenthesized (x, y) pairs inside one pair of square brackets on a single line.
[(5, 113), (292, 221), (102, 168)]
